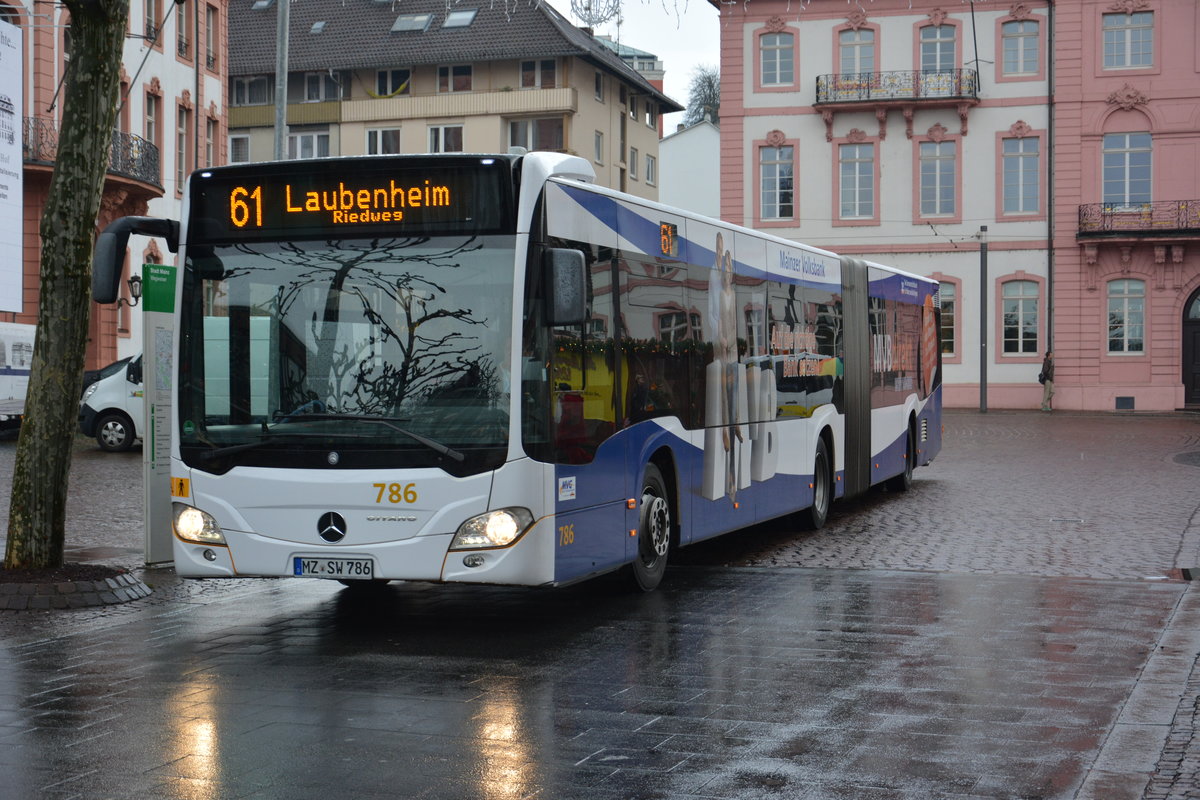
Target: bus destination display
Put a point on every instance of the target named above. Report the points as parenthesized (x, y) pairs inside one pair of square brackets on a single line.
[(399, 202)]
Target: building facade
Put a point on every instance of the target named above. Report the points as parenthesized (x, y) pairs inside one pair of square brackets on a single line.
[(1060, 135), (691, 176), (366, 78), (170, 121)]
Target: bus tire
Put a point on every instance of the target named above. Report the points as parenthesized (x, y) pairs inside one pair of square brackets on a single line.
[(813, 518), (903, 481), (654, 532), (114, 432)]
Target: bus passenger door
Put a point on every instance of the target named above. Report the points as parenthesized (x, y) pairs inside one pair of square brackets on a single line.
[(585, 395)]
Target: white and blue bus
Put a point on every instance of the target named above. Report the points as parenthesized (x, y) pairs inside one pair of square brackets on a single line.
[(486, 369)]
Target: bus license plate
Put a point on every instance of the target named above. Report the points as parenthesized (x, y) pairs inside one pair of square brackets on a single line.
[(338, 568)]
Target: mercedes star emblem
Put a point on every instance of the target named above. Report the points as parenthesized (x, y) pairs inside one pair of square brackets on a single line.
[(331, 526)]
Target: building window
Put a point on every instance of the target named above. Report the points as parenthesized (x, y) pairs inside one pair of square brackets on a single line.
[(677, 326), (1020, 303), (775, 180), (251, 91), (633, 108), (153, 107), (538, 74), (1126, 169), (391, 82), (948, 293), (308, 145), (937, 48), (211, 20), (319, 87), (210, 141), (856, 51), (454, 79), (633, 163), (383, 141), (460, 19), (937, 179), (856, 166), (152, 19), (183, 29), (536, 134), (1019, 41), (445, 138), (777, 59), (1021, 184), (600, 86), (1129, 40), (651, 175), (1126, 316), (598, 148), (239, 149), (651, 114), (183, 130)]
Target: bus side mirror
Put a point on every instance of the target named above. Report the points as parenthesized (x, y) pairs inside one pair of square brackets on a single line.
[(566, 287), (109, 253)]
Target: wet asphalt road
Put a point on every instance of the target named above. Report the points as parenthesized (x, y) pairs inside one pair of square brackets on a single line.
[(1007, 629)]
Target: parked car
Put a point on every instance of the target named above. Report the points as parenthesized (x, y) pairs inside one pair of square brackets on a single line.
[(112, 407), (91, 376)]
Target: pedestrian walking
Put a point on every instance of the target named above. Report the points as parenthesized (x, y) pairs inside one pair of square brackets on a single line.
[(1046, 378)]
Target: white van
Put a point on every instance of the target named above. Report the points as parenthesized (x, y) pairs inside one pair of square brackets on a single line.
[(112, 407)]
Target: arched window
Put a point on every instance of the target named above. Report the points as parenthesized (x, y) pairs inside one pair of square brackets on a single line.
[(1126, 316), (1193, 312)]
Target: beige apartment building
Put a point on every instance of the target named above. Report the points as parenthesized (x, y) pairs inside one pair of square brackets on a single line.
[(366, 77)]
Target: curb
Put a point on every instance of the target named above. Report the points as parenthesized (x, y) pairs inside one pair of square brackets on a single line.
[(122, 588)]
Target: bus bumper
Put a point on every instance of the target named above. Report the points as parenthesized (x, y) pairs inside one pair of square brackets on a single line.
[(529, 561)]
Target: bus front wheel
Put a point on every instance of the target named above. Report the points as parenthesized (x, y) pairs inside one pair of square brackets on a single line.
[(654, 532)]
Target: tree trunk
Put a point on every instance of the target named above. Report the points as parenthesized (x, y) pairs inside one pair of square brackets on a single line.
[(37, 511)]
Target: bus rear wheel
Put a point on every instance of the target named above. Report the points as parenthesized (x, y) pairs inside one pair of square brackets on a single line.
[(654, 532), (814, 517), (903, 481)]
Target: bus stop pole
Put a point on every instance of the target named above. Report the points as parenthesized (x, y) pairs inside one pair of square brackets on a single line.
[(983, 317)]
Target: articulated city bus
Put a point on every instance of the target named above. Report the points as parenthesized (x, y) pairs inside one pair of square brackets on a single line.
[(486, 369)]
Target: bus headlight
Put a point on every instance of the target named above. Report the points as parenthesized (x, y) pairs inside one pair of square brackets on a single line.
[(494, 529), (193, 525)]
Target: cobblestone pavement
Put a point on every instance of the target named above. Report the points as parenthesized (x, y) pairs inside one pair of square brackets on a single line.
[(1007, 629), (1097, 496)]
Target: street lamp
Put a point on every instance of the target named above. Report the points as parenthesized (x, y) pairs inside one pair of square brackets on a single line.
[(135, 291)]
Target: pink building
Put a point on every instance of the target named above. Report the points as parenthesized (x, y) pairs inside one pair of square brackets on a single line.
[(1063, 134), (170, 121)]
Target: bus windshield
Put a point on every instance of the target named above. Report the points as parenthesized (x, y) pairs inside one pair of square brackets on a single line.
[(347, 353)]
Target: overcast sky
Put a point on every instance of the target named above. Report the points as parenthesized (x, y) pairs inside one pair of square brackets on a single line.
[(682, 33)]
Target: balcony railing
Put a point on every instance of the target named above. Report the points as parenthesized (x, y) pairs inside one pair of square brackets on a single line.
[(1165, 217), (902, 85), (129, 155)]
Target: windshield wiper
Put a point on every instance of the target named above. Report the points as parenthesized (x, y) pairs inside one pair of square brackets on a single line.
[(217, 452), (390, 422)]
